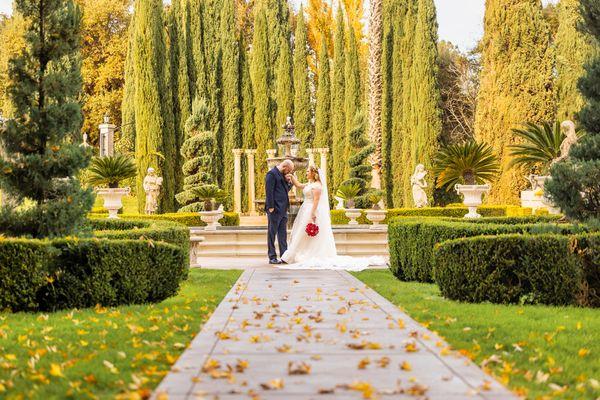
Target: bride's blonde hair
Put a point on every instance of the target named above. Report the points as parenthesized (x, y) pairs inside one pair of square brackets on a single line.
[(315, 172)]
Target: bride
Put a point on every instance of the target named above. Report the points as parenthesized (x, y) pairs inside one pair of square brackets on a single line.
[(317, 252)]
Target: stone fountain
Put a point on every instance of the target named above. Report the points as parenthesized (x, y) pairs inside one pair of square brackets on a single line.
[(289, 148)]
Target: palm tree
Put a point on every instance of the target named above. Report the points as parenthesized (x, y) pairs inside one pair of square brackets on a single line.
[(541, 144), (469, 163), (348, 192), (111, 170), (375, 89)]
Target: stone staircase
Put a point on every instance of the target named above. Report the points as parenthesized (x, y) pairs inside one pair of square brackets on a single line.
[(251, 242)]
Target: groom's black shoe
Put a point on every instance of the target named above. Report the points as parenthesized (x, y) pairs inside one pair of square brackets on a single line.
[(274, 261), (282, 262)]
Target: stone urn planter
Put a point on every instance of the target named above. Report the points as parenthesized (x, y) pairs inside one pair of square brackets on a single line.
[(472, 197), (211, 218), (112, 199), (376, 217), (353, 214)]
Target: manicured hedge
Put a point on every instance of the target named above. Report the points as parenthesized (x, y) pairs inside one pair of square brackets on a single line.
[(52, 275), (158, 231), (544, 269), (412, 240), (338, 217), (187, 219)]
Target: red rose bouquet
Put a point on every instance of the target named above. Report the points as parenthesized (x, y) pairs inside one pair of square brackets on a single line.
[(312, 230)]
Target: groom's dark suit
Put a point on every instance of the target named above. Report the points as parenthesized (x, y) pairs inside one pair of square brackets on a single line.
[(277, 199)]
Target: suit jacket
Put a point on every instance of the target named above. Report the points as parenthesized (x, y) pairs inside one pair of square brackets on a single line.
[(277, 189)]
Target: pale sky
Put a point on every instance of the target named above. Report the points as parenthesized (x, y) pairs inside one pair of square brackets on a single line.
[(460, 21)]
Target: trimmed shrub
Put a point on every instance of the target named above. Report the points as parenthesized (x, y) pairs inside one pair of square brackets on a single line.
[(454, 211), (23, 270), (411, 240), (544, 269), (187, 219), (52, 275), (507, 269), (587, 249)]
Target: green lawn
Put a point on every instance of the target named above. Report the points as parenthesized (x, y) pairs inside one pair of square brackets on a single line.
[(104, 353), (544, 352)]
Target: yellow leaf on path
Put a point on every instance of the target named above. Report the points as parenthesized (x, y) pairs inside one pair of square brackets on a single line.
[(162, 396), (273, 384), (362, 364), (411, 347), (364, 387), (445, 351), (383, 362), (583, 352), (342, 311), (301, 368), (405, 366), (55, 370), (285, 348)]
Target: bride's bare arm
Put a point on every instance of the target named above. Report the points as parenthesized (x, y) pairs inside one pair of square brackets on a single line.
[(297, 183), (316, 191)]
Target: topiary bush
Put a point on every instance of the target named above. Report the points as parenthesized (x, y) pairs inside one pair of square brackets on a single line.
[(187, 219), (538, 269), (507, 269), (74, 273), (412, 241)]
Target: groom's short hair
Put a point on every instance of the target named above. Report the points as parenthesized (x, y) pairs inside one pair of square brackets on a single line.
[(288, 163)]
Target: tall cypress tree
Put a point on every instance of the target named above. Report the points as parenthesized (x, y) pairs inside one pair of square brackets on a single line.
[(323, 107), (574, 185), (41, 143), (197, 28), (260, 72), (353, 98), (387, 99), (516, 83), (247, 109), (126, 143), (426, 97), (173, 31), (284, 88), (278, 28), (573, 49), (155, 138), (404, 128), (231, 101), (302, 106), (338, 90)]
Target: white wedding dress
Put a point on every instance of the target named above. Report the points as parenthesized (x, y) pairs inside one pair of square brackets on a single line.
[(319, 252)]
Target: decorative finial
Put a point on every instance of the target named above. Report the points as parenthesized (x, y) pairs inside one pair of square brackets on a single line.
[(106, 119)]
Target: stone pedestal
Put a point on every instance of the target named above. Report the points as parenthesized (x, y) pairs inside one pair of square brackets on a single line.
[(237, 180), (107, 138), (251, 186)]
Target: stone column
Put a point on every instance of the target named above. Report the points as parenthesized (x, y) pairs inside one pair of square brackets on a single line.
[(251, 188), (271, 154), (107, 137), (237, 180), (323, 153), (311, 156)]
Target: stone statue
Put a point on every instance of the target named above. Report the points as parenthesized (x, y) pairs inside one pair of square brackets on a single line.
[(152, 184), (340, 203), (568, 127), (417, 180)]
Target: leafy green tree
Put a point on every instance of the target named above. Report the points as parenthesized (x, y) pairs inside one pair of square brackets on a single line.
[(360, 149), (387, 98), (302, 106), (260, 72), (323, 99), (426, 94), (198, 152), (155, 144), (284, 88), (573, 49), (516, 83), (126, 142), (575, 183), (231, 99), (353, 100), (41, 143), (338, 90)]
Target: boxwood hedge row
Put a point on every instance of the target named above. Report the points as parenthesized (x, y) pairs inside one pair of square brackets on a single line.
[(412, 241), (188, 219), (127, 262), (545, 269)]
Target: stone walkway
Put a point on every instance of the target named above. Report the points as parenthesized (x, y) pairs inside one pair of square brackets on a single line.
[(318, 335)]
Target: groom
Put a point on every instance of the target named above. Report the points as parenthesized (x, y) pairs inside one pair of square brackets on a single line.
[(278, 184)]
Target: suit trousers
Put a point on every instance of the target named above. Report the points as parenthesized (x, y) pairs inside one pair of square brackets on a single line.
[(277, 226)]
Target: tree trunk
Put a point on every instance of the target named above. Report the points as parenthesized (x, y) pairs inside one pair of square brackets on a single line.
[(374, 71)]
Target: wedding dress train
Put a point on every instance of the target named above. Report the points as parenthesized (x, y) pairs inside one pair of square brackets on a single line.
[(319, 252)]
